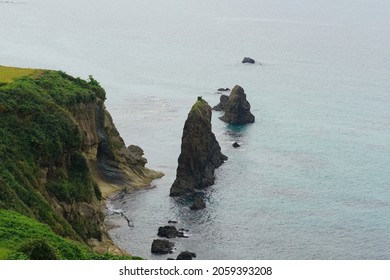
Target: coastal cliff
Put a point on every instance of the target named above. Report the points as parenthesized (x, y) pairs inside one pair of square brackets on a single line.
[(61, 156), (200, 152)]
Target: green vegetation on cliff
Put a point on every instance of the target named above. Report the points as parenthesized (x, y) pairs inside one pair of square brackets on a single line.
[(25, 238), (44, 175)]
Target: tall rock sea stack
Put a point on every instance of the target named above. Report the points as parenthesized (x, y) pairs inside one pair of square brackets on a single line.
[(237, 109), (200, 152)]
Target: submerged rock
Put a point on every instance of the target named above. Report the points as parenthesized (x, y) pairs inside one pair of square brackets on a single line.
[(223, 101), (198, 203), (237, 110), (248, 60), (200, 152), (224, 89), (160, 246), (186, 255)]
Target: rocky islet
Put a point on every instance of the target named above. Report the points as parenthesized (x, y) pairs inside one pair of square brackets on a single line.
[(200, 152), (237, 108)]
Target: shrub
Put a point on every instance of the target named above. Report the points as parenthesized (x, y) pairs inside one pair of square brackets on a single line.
[(38, 250)]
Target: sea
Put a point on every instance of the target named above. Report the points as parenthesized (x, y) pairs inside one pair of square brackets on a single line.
[(311, 179)]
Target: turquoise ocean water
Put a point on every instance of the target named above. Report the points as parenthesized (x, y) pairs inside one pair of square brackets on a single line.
[(311, 179)]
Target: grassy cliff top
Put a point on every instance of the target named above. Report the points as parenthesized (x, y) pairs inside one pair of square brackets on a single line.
[(9, 74)]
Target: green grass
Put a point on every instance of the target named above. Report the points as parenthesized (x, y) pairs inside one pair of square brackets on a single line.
[(4, 253), (199, 105), (19, 233), (8, 74)]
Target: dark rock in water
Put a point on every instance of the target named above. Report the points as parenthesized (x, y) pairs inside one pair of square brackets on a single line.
[(237, 110), (200, 152), (236, 145), (186, 256), (167, 231), (170, 259), (248, 60), (223, 101), (172, 222), (160, 246), (198, 203), (224, 89), (170, 232)]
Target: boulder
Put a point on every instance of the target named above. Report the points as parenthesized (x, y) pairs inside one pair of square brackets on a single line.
[(237, 110), (186, 255), (170, 232), (248, 60), (160, 246), (236, 145), (167, 231), (198, 203), (223, 101), (200, 152)]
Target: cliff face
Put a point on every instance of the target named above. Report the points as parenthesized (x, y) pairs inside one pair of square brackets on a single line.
[(112, 164), (61, 154), (223, 102), (237, 108), (200, 152)]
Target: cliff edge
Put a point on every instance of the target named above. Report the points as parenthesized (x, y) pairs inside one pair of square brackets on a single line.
[(61, 155)]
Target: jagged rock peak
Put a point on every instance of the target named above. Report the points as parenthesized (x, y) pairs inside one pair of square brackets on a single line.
[(237, 109), (200, 152)]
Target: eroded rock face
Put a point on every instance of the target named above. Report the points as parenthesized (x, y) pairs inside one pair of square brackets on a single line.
[(112, 166), (111, 162), (200, 152), (223, 102), (237, 109)]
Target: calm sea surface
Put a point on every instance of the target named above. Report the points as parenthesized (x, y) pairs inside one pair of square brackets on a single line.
[(311, 179)]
